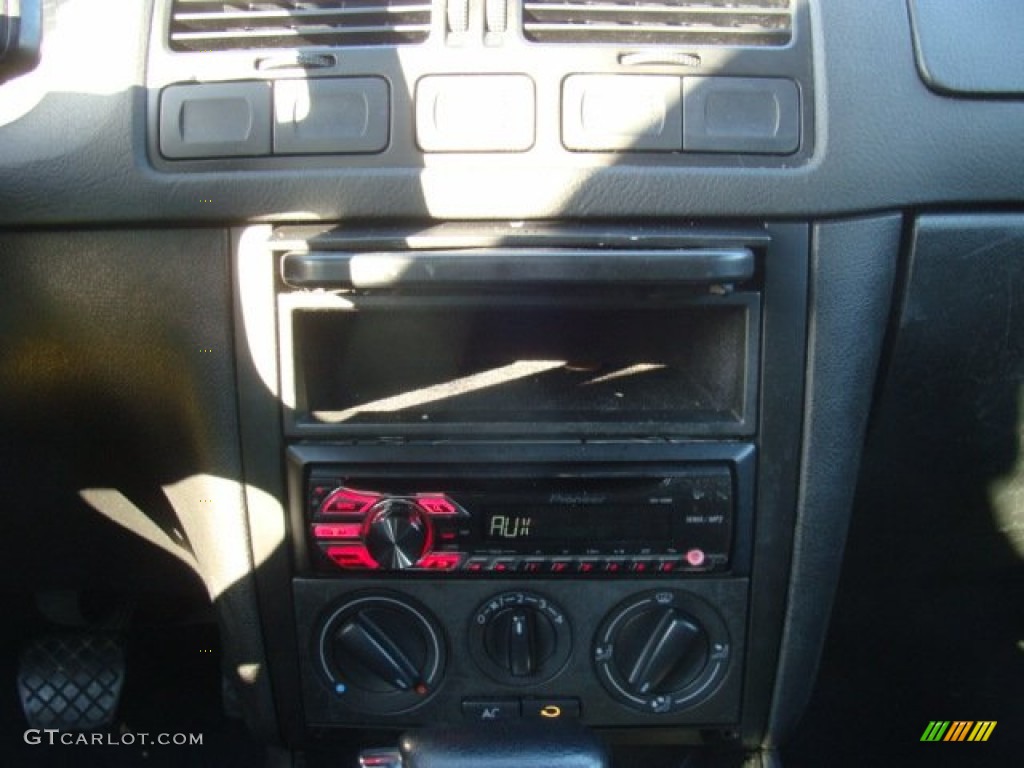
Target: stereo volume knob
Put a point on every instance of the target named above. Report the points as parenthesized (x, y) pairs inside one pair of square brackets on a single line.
[(397, 534)]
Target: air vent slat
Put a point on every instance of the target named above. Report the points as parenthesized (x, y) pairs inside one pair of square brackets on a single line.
[(335, 16), (662, 22), (200, 25), (358, 22), (598, 8)]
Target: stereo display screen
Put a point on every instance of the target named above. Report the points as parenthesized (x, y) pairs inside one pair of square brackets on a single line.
[(597, 524)]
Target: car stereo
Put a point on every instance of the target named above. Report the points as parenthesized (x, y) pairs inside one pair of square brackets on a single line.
[(550, 510), (678, 520)]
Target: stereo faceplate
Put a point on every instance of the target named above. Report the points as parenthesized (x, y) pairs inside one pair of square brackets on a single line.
[(488, 509), (562, 522)]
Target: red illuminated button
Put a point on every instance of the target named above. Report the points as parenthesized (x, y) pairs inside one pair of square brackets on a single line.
[(437, 505), (337, 530), (586, 566), (559, 566), (441, 561), (476, 565), (532, 566), (346, 502), (351, 556), (668, 566), (503, 566), (695, 557), (614, 566), (641, 566)]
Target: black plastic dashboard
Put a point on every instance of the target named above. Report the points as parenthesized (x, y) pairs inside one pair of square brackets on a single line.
[(400, 274), (882, 140)]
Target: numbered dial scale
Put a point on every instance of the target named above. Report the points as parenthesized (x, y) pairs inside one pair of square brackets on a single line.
[(663, 524)]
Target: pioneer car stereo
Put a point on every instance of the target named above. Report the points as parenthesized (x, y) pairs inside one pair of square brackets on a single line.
[(560, 523)]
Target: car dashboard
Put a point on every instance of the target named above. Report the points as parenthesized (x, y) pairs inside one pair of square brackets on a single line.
[(521, 361)]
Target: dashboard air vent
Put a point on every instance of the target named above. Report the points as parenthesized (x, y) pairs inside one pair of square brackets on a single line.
[(200, 25), (660, 22)]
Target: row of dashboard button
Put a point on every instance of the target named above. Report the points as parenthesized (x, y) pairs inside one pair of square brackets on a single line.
[(490, 710), (695, 559), (356, 556), (492, 113)]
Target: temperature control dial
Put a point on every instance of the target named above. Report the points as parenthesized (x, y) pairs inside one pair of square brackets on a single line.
[(520, 638), (662, 651), (381, 652)]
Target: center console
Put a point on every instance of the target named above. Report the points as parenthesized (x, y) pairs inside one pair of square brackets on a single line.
[(538, 472), (493, 581)]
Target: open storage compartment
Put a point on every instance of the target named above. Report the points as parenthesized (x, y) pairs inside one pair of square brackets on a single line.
[(588, 366), (504, 330)]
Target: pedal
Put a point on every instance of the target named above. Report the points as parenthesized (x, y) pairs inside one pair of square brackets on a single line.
[(72, 681)]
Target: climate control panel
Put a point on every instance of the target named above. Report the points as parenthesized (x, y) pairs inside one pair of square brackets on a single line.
[(439, 651)]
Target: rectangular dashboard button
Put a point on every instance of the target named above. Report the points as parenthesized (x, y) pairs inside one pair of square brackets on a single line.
[(337, 530), (343, 115), (215, 120), (478, 113), (551, 709), (622, 112), (745, 115), (490, 710)]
